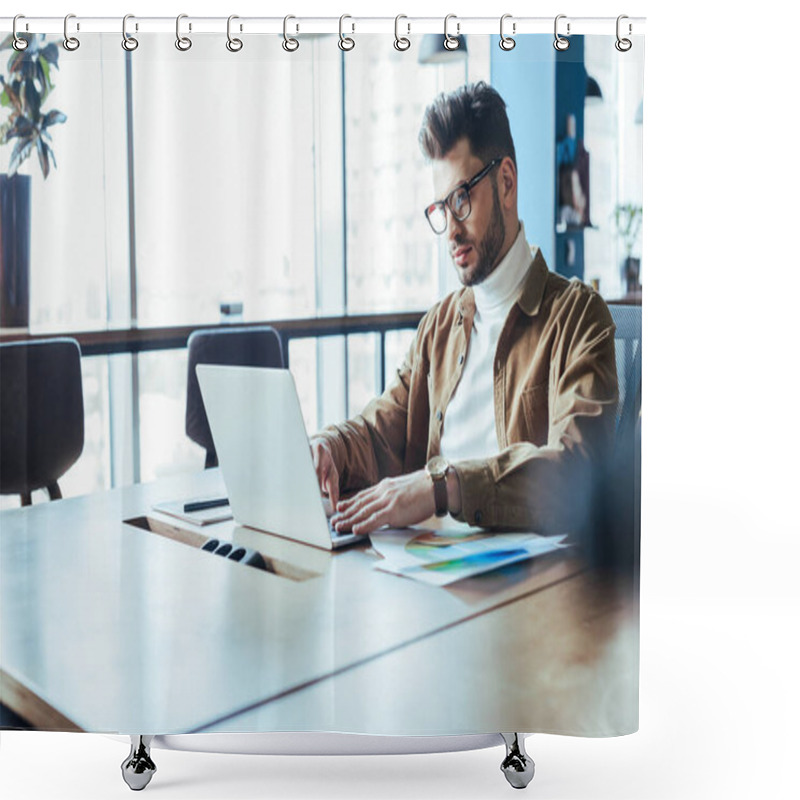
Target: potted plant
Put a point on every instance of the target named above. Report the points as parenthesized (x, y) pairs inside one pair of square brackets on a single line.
[(25, 90), (628, 221)]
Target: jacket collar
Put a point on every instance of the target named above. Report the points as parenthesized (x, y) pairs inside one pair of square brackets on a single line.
[(530, 300), (533, 289)]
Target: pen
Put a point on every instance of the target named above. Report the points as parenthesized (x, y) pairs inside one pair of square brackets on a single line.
[(202, 505)]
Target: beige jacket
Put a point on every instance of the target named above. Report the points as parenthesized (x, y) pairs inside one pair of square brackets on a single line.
[(555, 400)]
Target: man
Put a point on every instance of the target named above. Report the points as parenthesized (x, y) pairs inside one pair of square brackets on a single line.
[(503, 411)]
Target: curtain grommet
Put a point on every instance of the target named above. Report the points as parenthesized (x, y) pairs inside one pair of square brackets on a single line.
[(560, 42), (71, 43), (401, 43), (507, 42), (452, 42), (623, 45), (129, 43), (183, 43), (289, 43), (18, 43), (346, 43), (233, 44)]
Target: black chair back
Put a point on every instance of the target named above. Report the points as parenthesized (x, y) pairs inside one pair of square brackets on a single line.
[(41, 415), (618, 537), (255, 346)]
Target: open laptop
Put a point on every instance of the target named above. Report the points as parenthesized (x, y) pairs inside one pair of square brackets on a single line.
[(263, 451)]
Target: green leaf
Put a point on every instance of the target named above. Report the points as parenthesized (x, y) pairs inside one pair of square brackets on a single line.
[(16, 62), (33, 100), (47, 81), (44, 161), (28, 67), (22, 129), (13, 95), (53, 118), (22, 150), (50, 54)]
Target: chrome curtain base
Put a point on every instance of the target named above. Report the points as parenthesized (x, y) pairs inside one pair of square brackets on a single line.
[(138, 768), (517, 766)]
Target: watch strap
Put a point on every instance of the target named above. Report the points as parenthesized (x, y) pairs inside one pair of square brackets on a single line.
[(440, 495)]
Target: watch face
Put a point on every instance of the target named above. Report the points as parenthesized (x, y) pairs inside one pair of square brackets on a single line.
[(437, 466)]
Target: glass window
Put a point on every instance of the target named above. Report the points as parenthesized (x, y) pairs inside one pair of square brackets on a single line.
[(79, 213), (393, 259), (614, 139), (224, 181)]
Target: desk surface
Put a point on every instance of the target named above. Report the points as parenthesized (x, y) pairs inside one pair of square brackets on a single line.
[(107, 627)]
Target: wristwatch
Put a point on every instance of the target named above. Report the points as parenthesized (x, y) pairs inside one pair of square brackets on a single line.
[(437, 469)]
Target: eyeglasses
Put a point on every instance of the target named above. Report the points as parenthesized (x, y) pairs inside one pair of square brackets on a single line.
[(457, 201)]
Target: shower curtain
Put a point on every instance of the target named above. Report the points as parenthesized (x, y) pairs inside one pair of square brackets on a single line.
[(299, 179)]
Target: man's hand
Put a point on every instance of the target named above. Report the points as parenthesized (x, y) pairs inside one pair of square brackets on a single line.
[(327, 474), (397, 502)]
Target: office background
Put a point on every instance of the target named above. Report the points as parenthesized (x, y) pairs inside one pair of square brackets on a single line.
[(293, 186), (719, 703)]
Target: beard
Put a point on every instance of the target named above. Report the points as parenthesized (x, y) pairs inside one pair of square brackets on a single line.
[(488, 248)]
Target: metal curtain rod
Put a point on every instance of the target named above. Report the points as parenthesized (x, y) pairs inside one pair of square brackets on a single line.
[(319, 25)]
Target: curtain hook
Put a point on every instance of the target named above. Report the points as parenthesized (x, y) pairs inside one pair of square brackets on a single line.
[(234, 45), (345, 42), (560, 42), (289, 43), (623, 45), (183, 43), (506, 42), (19, 44), (401, 43), (451, 42), (129, 43), (71, 43)]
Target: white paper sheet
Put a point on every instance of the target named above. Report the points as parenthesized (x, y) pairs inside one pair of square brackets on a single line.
[(441, 557)]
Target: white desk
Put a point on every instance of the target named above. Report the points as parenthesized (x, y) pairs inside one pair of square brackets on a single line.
[(106, 627)]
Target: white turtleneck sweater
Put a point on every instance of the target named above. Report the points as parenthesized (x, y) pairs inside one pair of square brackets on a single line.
[(469, 426)]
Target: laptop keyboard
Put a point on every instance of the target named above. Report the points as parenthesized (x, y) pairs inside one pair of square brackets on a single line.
[(337, 534)]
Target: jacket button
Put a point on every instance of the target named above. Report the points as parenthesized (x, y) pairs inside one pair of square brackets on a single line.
[(461, 359), (439, 416), (478, 517)]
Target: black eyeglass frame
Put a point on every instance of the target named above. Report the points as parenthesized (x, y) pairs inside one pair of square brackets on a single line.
[(464, 185)]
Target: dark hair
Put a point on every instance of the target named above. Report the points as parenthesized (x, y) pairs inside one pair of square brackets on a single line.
[(475, 111)]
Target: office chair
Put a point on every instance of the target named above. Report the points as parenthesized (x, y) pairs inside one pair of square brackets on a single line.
[(616, 545), (255, 346), (41, 415)]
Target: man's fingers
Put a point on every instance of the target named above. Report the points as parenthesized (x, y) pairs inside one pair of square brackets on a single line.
[(366, 516), (364, 496), (327, 474), (362, 513), (377, 519), (332, 486), (329, 482)]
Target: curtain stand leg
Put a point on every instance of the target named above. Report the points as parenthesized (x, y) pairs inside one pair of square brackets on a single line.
[(138, 768), (517, 766)]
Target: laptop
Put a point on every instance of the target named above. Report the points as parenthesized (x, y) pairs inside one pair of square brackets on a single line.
[(263, 451)]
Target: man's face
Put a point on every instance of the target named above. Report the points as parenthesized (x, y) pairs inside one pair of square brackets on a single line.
[(475, 243)]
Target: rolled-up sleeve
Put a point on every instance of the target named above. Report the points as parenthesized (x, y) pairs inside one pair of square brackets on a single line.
[(373, 444)]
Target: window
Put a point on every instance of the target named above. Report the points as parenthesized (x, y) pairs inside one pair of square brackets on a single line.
[(392, 258), (615, 142)]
